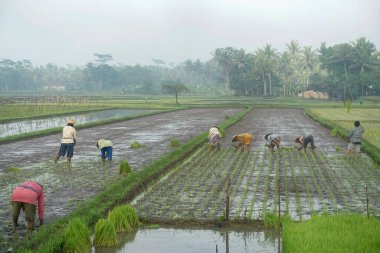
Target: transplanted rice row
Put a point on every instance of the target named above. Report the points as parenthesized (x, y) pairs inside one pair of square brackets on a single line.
[(306, 183)]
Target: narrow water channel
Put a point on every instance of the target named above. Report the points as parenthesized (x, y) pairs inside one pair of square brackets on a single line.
[(171, 240), (32, 125)]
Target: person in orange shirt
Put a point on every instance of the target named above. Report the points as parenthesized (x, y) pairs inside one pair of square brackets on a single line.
[(244, 140), (27, 197)]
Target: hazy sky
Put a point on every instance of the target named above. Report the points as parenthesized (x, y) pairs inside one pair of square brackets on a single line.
[(71, 31)]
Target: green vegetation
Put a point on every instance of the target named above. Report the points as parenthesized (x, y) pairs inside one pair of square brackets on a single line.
[(124, 167), (119, 219), (175, 143), (105, 233), (341, 123), (136, 144), (343, 233), (77, 237)]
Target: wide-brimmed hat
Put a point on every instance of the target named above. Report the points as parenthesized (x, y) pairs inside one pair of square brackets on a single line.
[(266, 136), (71, 121)]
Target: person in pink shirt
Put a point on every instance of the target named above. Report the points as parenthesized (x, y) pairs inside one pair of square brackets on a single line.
[(27, 197)]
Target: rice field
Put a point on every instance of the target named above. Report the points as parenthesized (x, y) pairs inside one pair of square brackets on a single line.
[(306, 184), (368, 117)]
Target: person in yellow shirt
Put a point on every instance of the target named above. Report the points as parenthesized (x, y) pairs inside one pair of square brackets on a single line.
[(244, 140), (69, 137), (105, 147)]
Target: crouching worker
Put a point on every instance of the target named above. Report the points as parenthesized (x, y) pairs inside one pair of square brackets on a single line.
[(304, 141), (214, 137), (245, 140), (27, 197), (105, 147), (274, 140)]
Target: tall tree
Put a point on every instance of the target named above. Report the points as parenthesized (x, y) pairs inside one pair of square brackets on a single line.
[(174, 87)]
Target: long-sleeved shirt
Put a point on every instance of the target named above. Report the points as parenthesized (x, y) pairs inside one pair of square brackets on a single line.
[(104, 143), (243, 138), (69, 134), (272, 137), (356, 134), (31, 193), (212, 132)]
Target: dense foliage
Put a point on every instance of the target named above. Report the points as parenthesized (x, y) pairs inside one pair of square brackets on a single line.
[(346, 70)]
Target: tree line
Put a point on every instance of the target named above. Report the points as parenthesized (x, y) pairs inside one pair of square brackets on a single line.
[(345, 71)]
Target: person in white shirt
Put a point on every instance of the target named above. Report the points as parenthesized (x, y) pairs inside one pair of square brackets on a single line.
[(69, 136), (214, 137), (274, 140)]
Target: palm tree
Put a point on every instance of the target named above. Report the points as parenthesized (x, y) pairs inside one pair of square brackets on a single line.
[(285, 71), (308, 63), (224, 59), (271, 58), (342, 55)]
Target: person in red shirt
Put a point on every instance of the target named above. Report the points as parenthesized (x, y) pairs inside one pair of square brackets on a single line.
[(28, 196)]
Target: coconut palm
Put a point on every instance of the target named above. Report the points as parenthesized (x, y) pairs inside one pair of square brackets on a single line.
[(308, 63)]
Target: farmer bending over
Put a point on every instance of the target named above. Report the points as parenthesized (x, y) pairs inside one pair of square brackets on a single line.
[(214, 137), (274, 140), (355, 140), (244, 140), (26, 197), (105, 147), (304, 141), (69, 136)]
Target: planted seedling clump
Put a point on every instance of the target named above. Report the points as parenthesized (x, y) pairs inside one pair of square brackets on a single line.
[(124, 167), (175, 143), (105, 234), (136, 144), (131, 215), (77, 237)]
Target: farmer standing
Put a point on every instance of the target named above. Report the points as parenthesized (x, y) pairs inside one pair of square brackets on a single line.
[(245, 140), (69, 136), (355, 140), (305, 140), (27, 197), (214, 137), (105, 147), (274, 140)]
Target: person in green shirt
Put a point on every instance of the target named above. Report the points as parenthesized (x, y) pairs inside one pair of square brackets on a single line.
[(105, 147)]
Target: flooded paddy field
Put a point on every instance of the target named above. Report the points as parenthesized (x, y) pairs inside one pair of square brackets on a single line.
[(32, 125), (67, 186), (307, 183), (167, 239)]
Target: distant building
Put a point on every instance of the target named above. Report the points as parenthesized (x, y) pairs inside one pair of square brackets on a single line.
[(313, 94), (55, 86)]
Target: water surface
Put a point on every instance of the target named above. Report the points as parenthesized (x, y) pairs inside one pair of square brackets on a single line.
[(32, 125)]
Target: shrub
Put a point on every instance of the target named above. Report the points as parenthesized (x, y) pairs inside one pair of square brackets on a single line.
[(136, 144), (124, 167), (77, 237), (175, 143), (105, 234)]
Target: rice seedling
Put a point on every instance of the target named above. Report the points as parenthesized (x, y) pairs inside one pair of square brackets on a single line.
[(175, 143), (119, 219), (131, 215), (77, 237), (124, 167), (136, 145), (340, 233), (105, 234), (334, 132)]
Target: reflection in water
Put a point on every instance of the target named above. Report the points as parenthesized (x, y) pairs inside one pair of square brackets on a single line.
[(26, 126), (189, 240)]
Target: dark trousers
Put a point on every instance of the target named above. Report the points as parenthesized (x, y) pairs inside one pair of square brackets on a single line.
[(106, 151)]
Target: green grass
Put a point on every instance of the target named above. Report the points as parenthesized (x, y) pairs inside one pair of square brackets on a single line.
[(343, 233)]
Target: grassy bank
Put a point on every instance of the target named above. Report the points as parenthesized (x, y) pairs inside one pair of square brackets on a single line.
[(343, 233), (343, 131), (123, 190)]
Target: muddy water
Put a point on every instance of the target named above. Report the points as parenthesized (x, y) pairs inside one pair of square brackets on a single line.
[(172, 240), (26, 126)]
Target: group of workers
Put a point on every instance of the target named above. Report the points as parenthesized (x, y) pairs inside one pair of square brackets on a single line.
[(29, 195), (245, 140)]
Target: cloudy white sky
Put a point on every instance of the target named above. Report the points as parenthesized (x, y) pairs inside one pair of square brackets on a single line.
[(135, 32)]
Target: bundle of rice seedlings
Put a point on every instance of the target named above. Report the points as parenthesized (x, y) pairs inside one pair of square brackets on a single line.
[(119, 219), (105, 234), (77, 237), (334, 132), (131, 215), (136, 144), (175, 143), (124, 167)]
